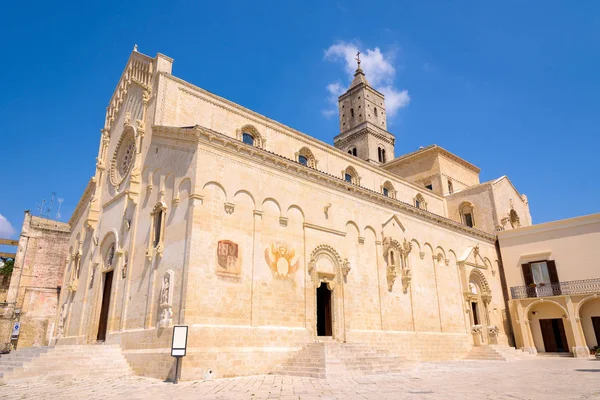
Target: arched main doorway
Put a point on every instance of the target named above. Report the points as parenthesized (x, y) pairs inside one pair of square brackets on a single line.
[(328, 272), (107, 281)]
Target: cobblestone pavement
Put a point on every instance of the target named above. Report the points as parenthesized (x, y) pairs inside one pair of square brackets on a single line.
[(532, 379)]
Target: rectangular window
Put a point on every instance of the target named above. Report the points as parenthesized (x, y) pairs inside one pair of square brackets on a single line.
[(540, 272)]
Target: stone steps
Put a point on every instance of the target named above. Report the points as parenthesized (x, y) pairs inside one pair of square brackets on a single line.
[(497, 353), (327, 359), (51, 363)]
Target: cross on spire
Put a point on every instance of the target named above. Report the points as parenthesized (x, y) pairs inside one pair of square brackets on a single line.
[(358, 59)]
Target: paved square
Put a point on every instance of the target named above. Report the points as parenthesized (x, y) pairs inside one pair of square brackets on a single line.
[(550, 378)]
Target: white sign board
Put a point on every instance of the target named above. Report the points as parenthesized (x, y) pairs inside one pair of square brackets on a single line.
[(179, 346), (15, 331)]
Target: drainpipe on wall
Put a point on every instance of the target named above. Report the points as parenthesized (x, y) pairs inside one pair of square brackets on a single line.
[(510, 333)]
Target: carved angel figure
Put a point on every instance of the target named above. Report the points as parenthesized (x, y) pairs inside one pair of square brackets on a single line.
[(282, 260)]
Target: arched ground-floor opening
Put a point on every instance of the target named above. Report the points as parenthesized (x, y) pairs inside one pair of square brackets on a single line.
[(550, 328)]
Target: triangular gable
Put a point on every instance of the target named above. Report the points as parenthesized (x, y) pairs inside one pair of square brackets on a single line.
[(396, 219), (472, 257)]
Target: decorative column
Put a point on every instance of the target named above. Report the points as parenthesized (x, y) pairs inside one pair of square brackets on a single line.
[(580, 350)]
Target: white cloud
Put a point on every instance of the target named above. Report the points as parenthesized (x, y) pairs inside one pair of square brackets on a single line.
[(6, 229), (379, 70)]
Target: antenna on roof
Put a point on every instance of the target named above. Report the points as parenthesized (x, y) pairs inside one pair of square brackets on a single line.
[(46, 212)]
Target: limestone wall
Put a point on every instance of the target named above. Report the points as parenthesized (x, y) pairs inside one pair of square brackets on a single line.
[(36, 280), (185, 105)]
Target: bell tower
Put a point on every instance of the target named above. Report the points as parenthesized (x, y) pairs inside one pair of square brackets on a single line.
[(363, 125)]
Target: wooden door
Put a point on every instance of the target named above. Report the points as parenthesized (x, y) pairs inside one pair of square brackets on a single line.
[(554, 336), (596, 325), (548, 336), (102, 326), (561, 336)]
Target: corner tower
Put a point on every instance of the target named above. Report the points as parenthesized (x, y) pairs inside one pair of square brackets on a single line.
[(363, 125)]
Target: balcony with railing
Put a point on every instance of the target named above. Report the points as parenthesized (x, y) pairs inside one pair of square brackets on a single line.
[(556, 289)]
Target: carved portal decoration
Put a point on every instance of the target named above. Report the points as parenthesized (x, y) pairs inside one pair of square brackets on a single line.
[(395, 255), (228, 260), (327, 267), (282, 259), (166, 300)]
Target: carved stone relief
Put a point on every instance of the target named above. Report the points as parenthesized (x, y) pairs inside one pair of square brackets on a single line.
[(228, 259), (282, 259)]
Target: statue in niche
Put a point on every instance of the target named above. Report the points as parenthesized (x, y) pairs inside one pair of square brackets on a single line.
[(166, 300), (282, 259), (396, 257)]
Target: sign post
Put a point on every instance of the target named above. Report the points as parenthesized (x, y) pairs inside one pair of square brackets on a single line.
[(178, 346), (15, 330)]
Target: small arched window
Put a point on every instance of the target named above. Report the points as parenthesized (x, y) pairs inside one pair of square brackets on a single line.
[(249, 135), (420, 202), (158, 224), (388, 190), (450, 187), (306, 157), (379, 155), (383, 156), (466, 211), (352, 112), (248, 138), (352, 151), (392, 257), (375, 111), (350, 175)]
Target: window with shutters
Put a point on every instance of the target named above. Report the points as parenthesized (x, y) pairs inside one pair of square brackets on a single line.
[(541, 278)]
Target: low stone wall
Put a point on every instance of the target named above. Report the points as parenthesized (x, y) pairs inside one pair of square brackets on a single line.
[(226, 351)]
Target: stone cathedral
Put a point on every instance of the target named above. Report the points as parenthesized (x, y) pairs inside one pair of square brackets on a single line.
[(265, 241)]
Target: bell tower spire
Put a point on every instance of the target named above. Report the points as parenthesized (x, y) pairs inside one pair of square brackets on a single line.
[(363, 125)]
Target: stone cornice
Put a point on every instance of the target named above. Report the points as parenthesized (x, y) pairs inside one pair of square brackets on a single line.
[(438, 150), (83, 202), (384, 136), (278, 127), (551, 226), (234, 146)]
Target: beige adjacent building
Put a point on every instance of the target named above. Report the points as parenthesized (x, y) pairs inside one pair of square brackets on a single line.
[(262, 239), (554, 278), (35, 284)]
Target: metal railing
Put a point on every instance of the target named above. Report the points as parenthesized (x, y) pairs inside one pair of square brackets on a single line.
[(556, 289)]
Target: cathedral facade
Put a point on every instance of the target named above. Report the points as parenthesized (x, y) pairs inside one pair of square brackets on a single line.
[(262, 239)]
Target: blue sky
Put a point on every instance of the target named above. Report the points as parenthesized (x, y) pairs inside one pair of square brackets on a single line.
[(510, 86)]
